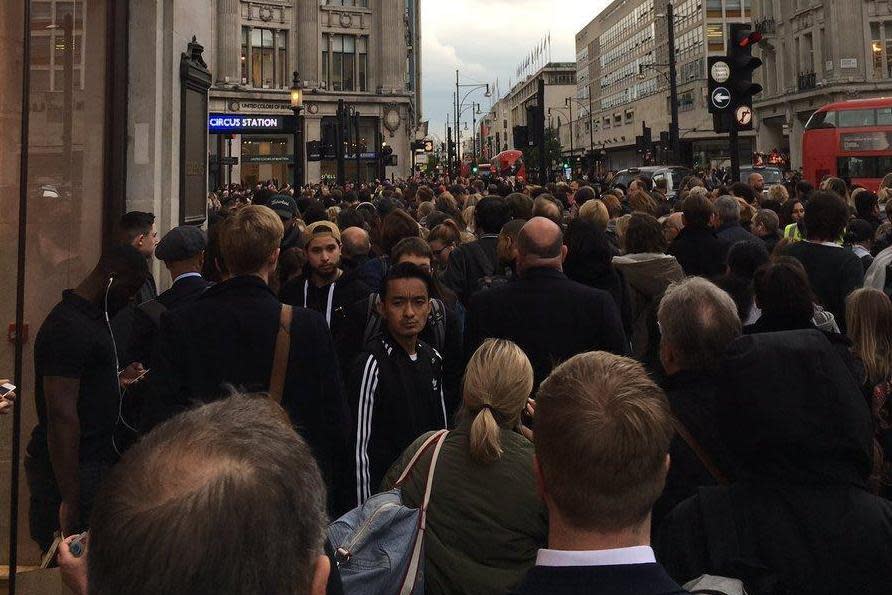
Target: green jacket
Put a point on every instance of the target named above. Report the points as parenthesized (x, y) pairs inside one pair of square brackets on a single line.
[(485, 523)]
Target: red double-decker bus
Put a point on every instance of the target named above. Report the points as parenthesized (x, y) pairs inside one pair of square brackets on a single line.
[(849, 139)]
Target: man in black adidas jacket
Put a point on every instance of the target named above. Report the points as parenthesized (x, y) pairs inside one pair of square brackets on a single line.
[(396, 385)]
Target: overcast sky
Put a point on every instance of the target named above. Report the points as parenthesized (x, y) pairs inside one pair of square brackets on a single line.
[(486, 39)]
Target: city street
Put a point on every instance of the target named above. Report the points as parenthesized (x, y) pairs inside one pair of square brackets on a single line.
[(469, 297)]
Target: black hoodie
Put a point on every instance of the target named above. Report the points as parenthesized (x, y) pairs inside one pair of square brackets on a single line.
[(799, 434)]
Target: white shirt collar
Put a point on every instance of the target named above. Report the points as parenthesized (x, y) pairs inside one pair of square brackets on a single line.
[(184, 275), (641, 554)]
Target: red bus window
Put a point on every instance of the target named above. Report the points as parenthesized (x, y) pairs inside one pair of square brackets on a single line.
[(857, 118)]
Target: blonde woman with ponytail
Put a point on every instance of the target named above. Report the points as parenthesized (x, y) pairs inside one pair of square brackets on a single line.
[(485, 521)]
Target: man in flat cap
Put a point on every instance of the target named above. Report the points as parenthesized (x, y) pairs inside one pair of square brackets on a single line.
[(182, 251)]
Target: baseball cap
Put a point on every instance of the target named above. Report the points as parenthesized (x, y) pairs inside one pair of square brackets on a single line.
[(284, 206), (320, 229), (181, 243)]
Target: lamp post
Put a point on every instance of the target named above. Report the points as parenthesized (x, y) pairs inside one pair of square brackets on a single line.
[(591, 124), (673, 82), (457, 108), (297, 106)]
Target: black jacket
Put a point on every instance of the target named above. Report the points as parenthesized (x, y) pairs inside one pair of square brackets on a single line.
[(549, 316), (227, 337), (352, 342), (692, 397), (348, 290), (469, 263), (396, 399), (833, 271), (145, 329), (731, 233), (621, 579), (699, 252), (798, 518)]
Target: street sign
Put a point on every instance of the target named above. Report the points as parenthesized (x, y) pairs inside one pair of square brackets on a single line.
[(721, 98), (720, 71), (744, 115)]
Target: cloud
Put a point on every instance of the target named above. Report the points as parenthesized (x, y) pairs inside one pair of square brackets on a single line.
[(486, 40)]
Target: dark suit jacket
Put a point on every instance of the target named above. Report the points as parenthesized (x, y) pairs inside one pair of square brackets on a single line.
[(145, 332), (699, 252), (227, 337), (549, 316), (469, 263), (622, 579)]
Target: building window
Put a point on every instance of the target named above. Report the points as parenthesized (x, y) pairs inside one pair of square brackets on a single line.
[(881, 49), (266, 51), (345, 62), (361, 3), (362, 48), (715, 38), (714, 9), (244, 55), (733, 9)]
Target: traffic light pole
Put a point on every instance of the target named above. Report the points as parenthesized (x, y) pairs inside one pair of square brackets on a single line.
[(673, 86), (734, 145)]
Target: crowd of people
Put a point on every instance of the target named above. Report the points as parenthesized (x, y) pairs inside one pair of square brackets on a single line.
[(641, 390)]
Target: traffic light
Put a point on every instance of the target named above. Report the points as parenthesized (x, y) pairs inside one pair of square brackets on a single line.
[(741, 40), (521, 137), (535, 125), (474, 168)]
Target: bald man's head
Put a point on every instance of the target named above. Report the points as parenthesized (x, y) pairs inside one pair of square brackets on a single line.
[(540, 243), (355, 242)]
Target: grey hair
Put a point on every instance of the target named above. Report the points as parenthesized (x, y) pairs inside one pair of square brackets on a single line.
[(768, 218), (698, 320), (727, 208), (699, 191)]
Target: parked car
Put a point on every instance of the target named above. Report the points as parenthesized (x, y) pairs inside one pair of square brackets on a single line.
[(771, 174), (673, 174)]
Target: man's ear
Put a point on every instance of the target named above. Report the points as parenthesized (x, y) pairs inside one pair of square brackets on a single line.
[(320, 576), (274, 257), (563, 252), (379, 306)]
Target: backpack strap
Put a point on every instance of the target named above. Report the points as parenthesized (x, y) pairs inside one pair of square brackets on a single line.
[(424, 446), (704, 457), (280, 355), (438, 320), (409, 579), (373, 322)]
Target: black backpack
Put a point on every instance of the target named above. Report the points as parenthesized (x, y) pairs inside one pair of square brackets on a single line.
[(436, 321)]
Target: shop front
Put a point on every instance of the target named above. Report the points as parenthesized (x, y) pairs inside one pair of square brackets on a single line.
[(61, 191), (250, 149)]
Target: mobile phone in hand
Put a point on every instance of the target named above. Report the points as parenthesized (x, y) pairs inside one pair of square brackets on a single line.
[(6, 388)]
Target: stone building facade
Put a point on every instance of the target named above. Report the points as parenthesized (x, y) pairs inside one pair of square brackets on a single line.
[(815, 53), (367, 52)]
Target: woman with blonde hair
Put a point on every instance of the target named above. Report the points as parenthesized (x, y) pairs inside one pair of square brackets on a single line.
[(869, 323), (778, 193), (485, 521)]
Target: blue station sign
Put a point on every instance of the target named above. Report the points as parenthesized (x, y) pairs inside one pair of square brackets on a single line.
[(257, 123)]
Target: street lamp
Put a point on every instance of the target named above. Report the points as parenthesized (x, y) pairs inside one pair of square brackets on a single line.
[(457, 108), (673, 82), (297, 106)]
